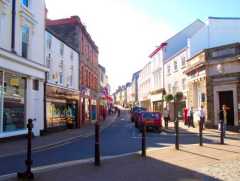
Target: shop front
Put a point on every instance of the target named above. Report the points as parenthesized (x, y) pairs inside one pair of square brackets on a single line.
[(12, 102), (61, 108)]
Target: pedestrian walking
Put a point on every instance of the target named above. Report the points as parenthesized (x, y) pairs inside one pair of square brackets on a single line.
[(202, 116), (185, 117), (190, 118), (223, 117), (166, 117)]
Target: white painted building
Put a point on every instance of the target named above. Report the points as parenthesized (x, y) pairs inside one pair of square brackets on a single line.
[(22, 69), (144, 86), (175, 79), (216, 32), (62, 88), (62, 61), (166, 63)]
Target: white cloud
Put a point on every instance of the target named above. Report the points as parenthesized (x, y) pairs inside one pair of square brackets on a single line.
[(125, 36)]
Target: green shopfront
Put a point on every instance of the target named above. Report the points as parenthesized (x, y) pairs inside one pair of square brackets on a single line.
[(12, 102)]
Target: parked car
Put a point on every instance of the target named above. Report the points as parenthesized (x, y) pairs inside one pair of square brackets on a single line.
[(134, 111), (152, 120)]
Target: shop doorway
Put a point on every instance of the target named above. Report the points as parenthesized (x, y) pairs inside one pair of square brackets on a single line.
[(226, 97)]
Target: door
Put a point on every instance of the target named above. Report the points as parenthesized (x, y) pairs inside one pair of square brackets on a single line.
[(226, 97)]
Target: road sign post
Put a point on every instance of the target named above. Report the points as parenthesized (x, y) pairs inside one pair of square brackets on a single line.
[(97, 144), (144, 141), (222, 132), (200, 133)]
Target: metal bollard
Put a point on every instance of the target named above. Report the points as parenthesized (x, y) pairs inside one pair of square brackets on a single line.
[(200, 133), (177, 135), (28, 174), (222, 132), (144, 141), (97, 144)]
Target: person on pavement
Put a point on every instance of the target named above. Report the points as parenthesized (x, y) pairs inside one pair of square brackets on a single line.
[(190, 116), (166, 117), (202, 116), (223, 117), (185, 117)]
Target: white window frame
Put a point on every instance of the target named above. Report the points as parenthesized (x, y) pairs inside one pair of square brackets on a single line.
[(168, 70), (175, 65), (28, 43)]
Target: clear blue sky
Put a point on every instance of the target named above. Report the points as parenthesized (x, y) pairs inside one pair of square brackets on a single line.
[(179, 13)]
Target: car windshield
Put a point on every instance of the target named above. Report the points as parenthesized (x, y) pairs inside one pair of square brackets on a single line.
[(150, 115)]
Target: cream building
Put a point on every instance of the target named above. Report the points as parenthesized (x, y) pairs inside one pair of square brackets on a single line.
[(214, 81), (22, 69)]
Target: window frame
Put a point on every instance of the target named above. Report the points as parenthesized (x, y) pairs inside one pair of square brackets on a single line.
[(175, 65), (25, 29)]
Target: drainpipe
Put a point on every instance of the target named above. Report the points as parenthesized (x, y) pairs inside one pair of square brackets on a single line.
[(13, 25), (45, 102)]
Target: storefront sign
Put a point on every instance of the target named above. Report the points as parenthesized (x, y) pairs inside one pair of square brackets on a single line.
[(14, 82)]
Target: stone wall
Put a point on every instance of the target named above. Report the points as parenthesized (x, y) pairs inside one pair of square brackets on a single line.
[(210, 102)]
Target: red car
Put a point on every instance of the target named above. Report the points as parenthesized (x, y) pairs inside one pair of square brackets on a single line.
[(134, 113), (151, 120)]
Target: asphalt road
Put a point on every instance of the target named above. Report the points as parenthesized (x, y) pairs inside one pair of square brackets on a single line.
[(121, 137)]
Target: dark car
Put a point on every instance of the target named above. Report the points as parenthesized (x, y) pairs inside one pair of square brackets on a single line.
[(134, 111), (152, 120)]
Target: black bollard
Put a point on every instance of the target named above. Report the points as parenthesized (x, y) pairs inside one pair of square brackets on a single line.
[(200, 133), (28, 174), (177, 135), (222, 132), (97, 144), (144, 140)]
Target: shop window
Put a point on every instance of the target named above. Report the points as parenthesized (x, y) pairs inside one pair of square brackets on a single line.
[(25, 41), (61, 114), (36, 85), (12, 102)]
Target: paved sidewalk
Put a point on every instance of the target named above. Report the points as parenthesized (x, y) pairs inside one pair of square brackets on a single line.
[(191, 163), (52, 139), (186, 130)]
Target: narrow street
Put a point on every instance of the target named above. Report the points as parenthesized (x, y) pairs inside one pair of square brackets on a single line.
[(120, 138)]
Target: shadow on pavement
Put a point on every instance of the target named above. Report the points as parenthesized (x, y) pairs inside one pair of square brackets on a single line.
[(222, 149), (125, 169)]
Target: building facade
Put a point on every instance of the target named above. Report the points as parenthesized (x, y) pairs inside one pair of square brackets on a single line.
[(22, 69), (62, 84), (214, 81), (129, 94), (135, 78), (72, 31), (144, 87)]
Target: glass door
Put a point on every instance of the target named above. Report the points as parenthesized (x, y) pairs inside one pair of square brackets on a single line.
[(1, 100)]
